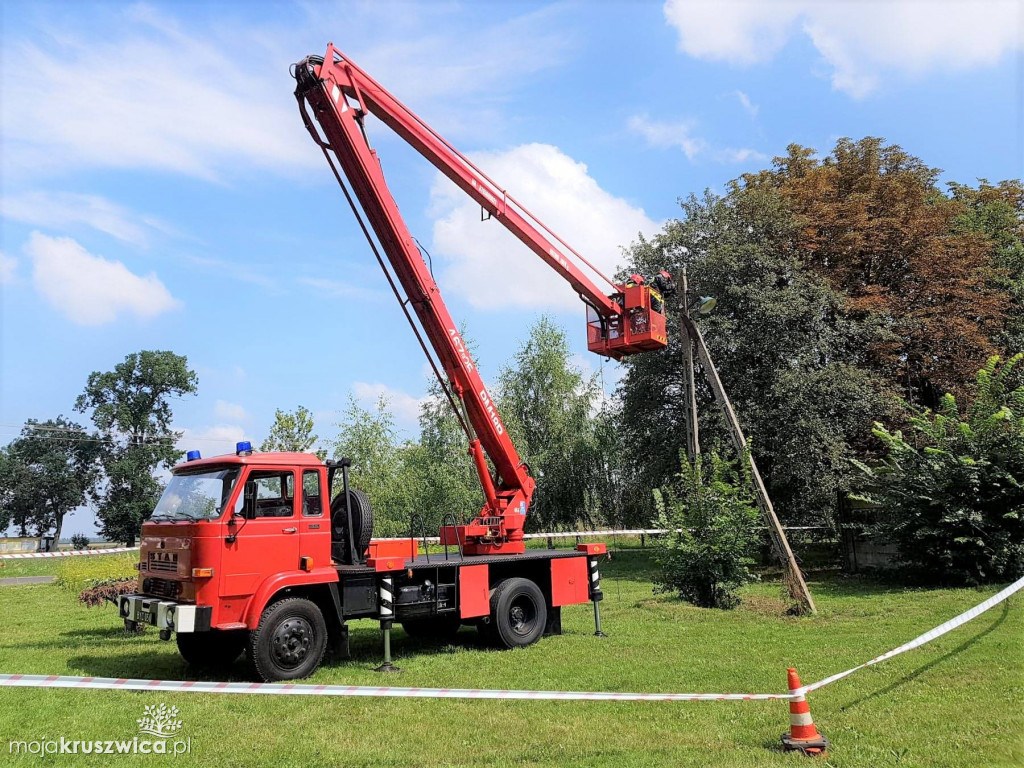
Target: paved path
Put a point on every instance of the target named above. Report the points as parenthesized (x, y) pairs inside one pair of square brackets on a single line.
[(15, 580)]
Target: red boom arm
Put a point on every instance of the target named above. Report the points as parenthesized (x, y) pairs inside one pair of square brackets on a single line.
[(629, 320)]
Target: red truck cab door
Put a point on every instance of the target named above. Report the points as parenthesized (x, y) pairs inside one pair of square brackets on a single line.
[(267, 543), (315, 518)]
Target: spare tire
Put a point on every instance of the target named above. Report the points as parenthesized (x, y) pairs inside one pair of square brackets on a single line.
[(362, 525)]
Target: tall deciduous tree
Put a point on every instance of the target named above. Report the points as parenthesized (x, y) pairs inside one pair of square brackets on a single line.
[(46, 473), (548, 406), (131, 407), (379, 467), (787, 354), (293, 431), (872, 221)]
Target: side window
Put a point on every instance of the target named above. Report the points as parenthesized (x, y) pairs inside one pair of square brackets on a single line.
[(311, 505), (272, 493)]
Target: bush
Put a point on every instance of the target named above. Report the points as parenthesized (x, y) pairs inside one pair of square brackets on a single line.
[(79, 541), (108, 591), (78, 573), (953, 489), (712, 519)]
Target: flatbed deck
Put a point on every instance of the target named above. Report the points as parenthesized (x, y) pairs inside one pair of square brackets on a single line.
[(455, 559)]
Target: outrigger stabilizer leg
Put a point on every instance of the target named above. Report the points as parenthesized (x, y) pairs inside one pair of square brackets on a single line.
[(596, 596), (387, 613)]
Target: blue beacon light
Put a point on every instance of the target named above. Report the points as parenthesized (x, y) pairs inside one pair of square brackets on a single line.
[(192, 456), (243, 448)]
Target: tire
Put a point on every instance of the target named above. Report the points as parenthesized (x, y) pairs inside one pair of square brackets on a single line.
[(289, 642), (433, 628), (212, 649), (362, 522), (519, 613)]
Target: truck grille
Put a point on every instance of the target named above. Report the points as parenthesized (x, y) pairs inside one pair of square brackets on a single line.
[(161, 587), (163, 561)]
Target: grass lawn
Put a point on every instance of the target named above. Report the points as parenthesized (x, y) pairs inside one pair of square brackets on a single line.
[(958, 701)]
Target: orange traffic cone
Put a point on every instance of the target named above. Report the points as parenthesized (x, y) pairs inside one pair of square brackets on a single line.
[(802, 736)]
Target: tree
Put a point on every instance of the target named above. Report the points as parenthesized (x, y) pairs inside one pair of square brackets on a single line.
[(48, 472), (131, 407), (997, 212), (870, 219), (292, 431), (789, 356), (446, 480), (379, 467), (712, 518), (548, 406), (953, 489)]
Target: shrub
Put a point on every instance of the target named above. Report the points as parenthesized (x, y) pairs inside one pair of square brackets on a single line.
[(78, 573), (953, 489), (108, 591), (79, 541), (712, 519)]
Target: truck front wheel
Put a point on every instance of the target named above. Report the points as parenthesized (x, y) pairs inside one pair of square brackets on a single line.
[(213, 649), (289, 642), (518, 614)]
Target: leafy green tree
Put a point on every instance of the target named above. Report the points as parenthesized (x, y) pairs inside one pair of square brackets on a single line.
[(131, 407), (953, 489), (712, 518), (17, 501), (997, 211), (293, 431), (548, 404), (787, 353), (48, 472), (379, 465), (446, 481)]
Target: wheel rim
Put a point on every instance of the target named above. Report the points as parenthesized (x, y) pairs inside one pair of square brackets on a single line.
[(292, 642), (522, 614)]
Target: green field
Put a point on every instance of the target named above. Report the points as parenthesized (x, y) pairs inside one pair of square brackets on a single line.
[(958, 701)]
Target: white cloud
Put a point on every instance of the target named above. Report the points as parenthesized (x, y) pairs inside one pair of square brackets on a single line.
[(745, 102), (8, 268), (146, 95), (211, 440), (679, 135), (861, 41), (664, 135), (222, 409), (405, 407), (89, 289), (490, 268), (61, 210), (131, 88)]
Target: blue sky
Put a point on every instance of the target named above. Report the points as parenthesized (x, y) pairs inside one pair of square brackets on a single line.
[(159, 190)]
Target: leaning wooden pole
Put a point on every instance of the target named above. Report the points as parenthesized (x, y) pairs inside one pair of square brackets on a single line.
[(798, 586)]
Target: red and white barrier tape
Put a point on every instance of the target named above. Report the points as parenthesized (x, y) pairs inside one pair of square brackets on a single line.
[(298, 689), (68, 553), (927, 637)]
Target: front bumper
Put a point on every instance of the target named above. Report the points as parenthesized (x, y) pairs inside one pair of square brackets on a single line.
[(165, 614)]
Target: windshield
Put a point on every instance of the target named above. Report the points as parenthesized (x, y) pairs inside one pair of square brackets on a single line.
[(196, 495)]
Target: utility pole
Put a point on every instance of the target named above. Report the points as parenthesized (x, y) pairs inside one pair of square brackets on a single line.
[(689, 386), (797, 585)]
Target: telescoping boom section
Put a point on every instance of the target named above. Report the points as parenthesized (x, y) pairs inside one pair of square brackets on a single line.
[(334, 98)]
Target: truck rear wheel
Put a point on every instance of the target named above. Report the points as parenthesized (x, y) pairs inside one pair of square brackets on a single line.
[(289, 642), (518, 614), (216, 648)]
